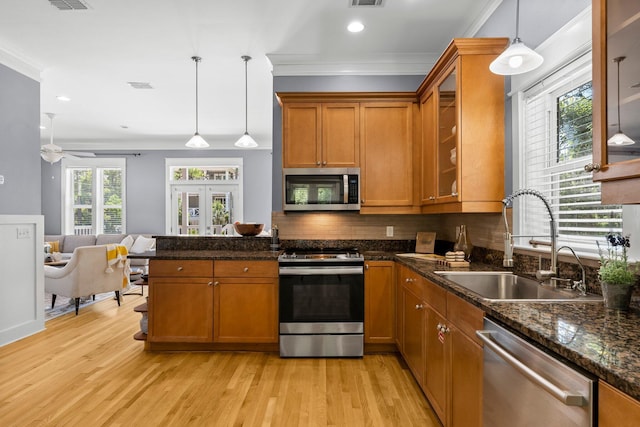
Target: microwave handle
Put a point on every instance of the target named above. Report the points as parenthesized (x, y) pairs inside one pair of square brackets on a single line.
[(345, 182)]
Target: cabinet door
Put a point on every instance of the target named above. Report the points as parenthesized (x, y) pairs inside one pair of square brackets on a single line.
[(246, 310), (436, 380), (466, 381), (616, 29), (413, 334), (616, 409), (340, 134), (428, 150), (301, 135), (379, 299), (386, 154), (447, 159), (180, 309)]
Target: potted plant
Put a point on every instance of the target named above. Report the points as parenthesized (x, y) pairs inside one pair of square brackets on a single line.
[(617, 277)]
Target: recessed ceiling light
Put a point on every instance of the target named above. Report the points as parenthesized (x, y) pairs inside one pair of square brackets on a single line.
[(63, 98), (355, 27), (42, 127)]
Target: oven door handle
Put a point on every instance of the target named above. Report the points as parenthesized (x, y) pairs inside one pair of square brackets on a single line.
[(567, 397), (322, 271)]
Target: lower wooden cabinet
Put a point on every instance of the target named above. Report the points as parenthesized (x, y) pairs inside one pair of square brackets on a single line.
[(180, 301), (615, 408), (246, 302), (439, 345), (188, 303), (379, 300)]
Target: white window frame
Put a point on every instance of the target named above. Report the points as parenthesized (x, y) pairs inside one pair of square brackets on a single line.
[(569, 47), (238, 205), (67, 197)]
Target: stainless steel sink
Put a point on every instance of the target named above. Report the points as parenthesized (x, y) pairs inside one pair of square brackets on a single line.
[(505, 286)]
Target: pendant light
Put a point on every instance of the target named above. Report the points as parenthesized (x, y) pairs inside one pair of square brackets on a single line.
[(196, 140), (619, 138), (517, 58), (245, 140), (50, 152)]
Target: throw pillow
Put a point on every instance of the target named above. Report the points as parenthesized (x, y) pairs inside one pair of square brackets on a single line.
[(55, 246), (142, 244), (127, 242)]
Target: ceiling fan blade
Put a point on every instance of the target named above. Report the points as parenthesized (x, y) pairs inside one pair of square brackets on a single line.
[(81, 153)]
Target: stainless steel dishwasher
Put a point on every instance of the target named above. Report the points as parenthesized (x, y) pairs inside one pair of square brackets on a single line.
[(523, 386)]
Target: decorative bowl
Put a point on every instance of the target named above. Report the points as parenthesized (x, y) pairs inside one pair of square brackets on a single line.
[(248, 229)]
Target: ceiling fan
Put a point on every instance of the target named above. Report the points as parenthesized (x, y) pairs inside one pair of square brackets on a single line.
[(53, 153)]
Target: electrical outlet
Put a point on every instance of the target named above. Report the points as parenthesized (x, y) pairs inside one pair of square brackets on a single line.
[(389, 230), (24, 233)]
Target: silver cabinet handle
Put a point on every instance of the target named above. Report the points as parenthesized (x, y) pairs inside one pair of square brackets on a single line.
[(317, 163), (419, 306), (324, 163), (432, 198), (216, 283), (210, 284), (564, 396), (246, 269), (366, 266), (180, 268), (592, 167), (442, 328), (409, 280)]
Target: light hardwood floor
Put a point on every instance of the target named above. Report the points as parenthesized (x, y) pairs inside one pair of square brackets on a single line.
[(88, 371)]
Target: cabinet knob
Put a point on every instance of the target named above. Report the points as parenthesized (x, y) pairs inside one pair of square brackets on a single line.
[(362, 202), (442, 328), (419, 306), (366, 266), (324, 163), (246, 269), (408, 280), (216, 283), (592, 167), (210, 284), (180, 268), (432, 198), (317, 163)]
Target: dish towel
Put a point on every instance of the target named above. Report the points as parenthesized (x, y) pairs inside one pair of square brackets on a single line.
[(117, 255)]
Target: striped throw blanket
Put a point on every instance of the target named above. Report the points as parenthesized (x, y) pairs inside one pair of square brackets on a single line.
[(117, 255)]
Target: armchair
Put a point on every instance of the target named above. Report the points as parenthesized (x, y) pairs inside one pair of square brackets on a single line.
[(85, 274)]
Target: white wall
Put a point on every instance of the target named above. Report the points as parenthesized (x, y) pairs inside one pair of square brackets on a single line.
[(21, 276)]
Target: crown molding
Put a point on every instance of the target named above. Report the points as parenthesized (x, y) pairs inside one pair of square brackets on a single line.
[(19, 64)]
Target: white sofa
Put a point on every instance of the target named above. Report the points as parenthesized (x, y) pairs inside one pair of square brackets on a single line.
[(68, 242)]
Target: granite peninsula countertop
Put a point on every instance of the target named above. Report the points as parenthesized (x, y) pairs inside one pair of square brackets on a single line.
[(602, 342)]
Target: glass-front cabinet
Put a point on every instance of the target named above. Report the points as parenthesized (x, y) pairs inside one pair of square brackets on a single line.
[(447, 172), (616, 100)]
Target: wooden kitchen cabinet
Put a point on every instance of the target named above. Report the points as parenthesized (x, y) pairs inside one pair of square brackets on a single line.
[(180, 301), (411, 317), (386, 156), (616, 29), (615, 408), (245, 302), (462, 122), (320, 134), (380, 304)]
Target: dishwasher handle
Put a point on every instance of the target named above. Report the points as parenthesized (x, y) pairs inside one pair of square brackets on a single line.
[(564, 396)]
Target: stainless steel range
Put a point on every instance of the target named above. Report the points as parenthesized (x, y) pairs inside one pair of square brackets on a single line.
[(321, 303)]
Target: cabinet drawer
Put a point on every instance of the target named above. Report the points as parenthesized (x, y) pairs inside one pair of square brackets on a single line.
[(180, 268), (435, 296), (467, 317), (413, 282), (246, 269)]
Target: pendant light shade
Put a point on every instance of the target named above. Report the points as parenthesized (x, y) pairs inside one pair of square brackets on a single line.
[(246, 141), (619, 138), (517, 58), (196, 140), (50, 152)]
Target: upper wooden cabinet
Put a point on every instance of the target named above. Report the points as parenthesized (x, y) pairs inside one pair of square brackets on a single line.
[(462, 120), (320, 134), (616, 30)]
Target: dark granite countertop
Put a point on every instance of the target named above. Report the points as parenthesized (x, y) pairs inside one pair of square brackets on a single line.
[(602, 342)]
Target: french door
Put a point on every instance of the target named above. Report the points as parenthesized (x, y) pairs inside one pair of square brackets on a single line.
[(201, 209)]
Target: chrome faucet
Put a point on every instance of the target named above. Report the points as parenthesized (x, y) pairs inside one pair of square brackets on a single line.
[(580, 285), (507, 261)]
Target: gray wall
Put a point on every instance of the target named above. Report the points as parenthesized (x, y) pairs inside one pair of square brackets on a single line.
[(326, 84), (19, 143), (146, 188)]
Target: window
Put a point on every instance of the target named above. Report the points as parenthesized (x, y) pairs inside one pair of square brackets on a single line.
[(94, 194), (203, 195), (555, 144)]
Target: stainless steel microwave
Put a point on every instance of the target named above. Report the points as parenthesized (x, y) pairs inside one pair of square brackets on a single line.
[(321, 189)]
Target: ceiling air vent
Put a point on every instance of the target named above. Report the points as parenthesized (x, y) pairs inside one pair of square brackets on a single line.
[(70, 4), (140, 85), (366, 3)]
